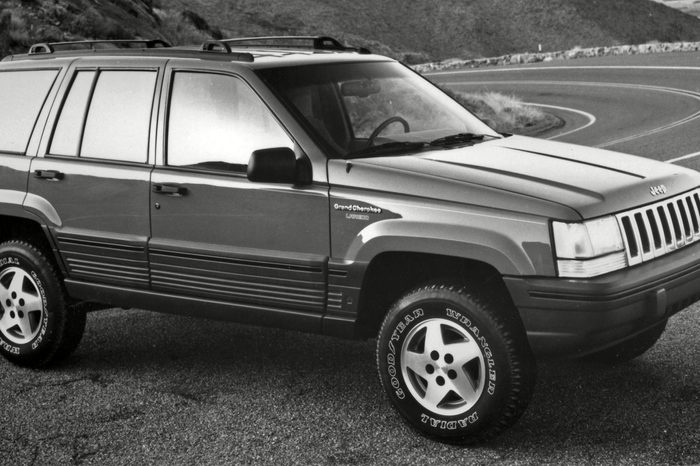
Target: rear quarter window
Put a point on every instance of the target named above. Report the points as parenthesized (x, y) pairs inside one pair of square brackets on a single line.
[(22, 95)]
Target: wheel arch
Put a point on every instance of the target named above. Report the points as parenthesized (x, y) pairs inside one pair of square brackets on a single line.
[(24, 227), (389, 275), (511, 247)]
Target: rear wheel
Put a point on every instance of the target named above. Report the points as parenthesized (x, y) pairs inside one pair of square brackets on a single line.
[(36, 326), (455, 364)]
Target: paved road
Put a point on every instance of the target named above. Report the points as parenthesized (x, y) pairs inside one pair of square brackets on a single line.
[(643, 105), (148, 388)]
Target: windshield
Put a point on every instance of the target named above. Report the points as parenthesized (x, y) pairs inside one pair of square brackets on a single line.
[(357, 109)]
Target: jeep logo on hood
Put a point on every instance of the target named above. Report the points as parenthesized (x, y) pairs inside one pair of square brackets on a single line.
[(656, 190)]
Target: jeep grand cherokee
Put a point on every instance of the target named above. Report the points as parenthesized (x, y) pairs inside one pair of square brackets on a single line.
[(299, 183)]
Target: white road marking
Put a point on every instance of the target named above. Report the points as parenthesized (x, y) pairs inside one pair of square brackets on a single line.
[(591, 118), (683, 157)]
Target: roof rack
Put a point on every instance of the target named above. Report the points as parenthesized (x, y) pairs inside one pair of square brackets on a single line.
[(51, 47), (217, 46), (295, 42)]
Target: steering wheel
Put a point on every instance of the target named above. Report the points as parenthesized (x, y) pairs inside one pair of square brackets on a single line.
[(382, 126)]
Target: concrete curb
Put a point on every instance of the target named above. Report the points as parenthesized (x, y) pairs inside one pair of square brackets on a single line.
[(522, 58)]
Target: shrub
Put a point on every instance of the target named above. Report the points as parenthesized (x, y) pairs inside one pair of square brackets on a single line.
[(504, 113), (5, 23), (177, 30), (201, 24)]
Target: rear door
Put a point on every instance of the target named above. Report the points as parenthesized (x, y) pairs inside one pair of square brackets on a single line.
[(92, 183), (25, 96), (260, 249)]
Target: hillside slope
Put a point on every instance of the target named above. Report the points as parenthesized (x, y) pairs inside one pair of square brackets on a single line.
[(418, 30), (47, 20), (25, 22), (456, 28), (692, 7)]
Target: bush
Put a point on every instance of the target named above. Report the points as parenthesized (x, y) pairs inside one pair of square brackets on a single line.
[(5, 23), (92, 25), (504, 113), (201, 24), (414, 58), (177, 30)]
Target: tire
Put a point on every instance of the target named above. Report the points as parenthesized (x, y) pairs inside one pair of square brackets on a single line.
[(456, 365), (631, 348), (36, 326)]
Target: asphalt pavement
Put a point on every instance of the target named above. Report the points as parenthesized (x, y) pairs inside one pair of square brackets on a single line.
[(146, 388)]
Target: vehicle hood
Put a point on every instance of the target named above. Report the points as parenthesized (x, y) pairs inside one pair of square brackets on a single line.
[(523, 174)]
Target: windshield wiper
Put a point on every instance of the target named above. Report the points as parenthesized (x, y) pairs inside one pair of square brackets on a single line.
[(389, 148), (403, 147), (459, 138)]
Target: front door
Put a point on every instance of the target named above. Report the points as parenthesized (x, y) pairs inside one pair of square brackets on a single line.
[(255, 251)]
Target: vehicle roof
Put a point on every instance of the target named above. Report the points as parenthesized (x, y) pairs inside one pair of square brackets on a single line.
[(232, 50), (262, 58), (276, 58)]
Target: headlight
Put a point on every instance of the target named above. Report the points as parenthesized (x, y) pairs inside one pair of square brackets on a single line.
[(590, 248)]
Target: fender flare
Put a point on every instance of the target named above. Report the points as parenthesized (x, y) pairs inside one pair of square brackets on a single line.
[(471, 242)]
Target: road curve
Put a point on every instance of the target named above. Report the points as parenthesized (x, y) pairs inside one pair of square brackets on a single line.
[(643, 105)]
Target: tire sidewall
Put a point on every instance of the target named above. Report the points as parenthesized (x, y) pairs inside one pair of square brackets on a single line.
[(486, 411), (34, 265)]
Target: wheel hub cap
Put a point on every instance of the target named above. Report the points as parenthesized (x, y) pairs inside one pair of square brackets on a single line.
[(21, 306), (443, 367)]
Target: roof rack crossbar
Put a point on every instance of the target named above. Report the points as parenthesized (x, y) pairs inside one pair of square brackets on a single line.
[(295, 42), (40, 48), (217, 46), (51, 47)]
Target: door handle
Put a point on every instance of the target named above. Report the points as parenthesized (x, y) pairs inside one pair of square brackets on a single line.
[(48, 174), (169, 189)]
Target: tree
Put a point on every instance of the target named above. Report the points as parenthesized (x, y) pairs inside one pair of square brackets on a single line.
[(5, 21)]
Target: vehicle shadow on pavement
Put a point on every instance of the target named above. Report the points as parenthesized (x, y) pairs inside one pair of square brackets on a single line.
[(650, 405), (196, 387)]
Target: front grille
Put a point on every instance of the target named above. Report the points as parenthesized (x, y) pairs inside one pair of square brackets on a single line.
[(657, 229)]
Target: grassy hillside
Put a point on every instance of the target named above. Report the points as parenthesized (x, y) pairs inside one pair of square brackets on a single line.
[(418, 30), (24, 22), (692, 7), (456, 28), (40, 20)]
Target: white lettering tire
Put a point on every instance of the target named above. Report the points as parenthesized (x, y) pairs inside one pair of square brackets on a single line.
[(456, 365), (36, 326)]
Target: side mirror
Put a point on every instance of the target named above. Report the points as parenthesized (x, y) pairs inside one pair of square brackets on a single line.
[(278, 165)]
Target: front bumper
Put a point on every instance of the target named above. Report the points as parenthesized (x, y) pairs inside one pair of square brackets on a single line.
[(576, 317)]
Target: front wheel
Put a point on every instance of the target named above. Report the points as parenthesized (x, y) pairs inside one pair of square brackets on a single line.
[(456, 365), (36, 326)]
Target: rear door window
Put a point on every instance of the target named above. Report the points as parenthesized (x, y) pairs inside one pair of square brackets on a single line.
[(22, 95), (108, 118), (66, 138)]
